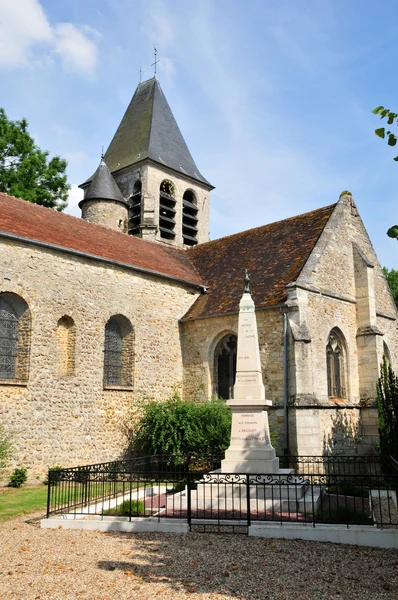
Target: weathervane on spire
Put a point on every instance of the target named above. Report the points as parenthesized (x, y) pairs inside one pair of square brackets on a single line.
[(156, 59), (102, 153)]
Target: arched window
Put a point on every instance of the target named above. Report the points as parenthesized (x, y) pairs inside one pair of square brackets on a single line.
[(66, 333), (336, 367), (225, 366), (189, 218), (135, 209), (118, 352), (167, 211), (15, 328)]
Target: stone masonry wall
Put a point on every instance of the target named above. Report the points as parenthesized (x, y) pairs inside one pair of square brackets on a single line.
[(107, 213), (70, 420)]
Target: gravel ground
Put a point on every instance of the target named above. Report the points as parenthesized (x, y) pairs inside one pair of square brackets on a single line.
[(65, 564)]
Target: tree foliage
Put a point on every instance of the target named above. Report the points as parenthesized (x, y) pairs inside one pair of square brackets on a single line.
[(387, 404), (6, 447), (26, 171), (182, 428), (392, 280), (381, 132)]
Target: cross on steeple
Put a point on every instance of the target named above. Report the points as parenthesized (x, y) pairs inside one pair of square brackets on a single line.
[(141, 72), (156, 60)]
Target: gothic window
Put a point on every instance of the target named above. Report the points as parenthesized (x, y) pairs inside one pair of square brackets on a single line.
[(189, 218), (15, 327), (225, 366), (336, 366), (118, 352), (135, 208), (167, 211), (66, 346)]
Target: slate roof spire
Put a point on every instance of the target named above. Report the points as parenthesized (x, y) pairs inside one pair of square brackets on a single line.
[(148, 130), (103, 186)]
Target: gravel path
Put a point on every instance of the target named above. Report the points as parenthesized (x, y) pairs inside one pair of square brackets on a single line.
[(38, 564)]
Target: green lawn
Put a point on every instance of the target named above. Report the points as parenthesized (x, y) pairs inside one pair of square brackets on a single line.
[(22, 501)]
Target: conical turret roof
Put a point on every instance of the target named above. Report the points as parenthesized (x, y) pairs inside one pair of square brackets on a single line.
[(103, 186), (149, 130)]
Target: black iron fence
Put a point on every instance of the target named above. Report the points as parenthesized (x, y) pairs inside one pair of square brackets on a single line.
[(341, 490)]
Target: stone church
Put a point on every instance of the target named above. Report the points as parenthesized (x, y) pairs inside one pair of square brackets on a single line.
[(133, 302)]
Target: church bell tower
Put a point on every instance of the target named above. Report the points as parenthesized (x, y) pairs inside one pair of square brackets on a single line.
[(166, 197)]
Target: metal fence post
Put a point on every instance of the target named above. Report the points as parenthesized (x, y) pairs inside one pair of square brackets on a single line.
[(248, 500), (189, 514)]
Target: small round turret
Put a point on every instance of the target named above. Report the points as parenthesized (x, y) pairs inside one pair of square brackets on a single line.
[(103, 202)]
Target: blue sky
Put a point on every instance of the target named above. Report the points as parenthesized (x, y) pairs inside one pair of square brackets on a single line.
[(273, 97)]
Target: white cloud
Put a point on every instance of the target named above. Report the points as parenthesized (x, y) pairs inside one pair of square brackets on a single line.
[(75, 195), (78, 52), (24, 27)]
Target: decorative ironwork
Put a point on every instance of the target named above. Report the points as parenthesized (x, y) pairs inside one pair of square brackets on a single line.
[(8, 340), (179, 487), (113, 364)]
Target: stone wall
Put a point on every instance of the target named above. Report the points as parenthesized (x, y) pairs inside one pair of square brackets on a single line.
[(69, 418)]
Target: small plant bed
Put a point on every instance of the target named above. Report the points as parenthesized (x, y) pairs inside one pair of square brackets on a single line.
[(128, 508), (344, 510), (22, 501), (348, 489)]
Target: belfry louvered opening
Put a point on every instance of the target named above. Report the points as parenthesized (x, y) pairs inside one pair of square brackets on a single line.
[(167, 211), (135, 209), (189, 218)]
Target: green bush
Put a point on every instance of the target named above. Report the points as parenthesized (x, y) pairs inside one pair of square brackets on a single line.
[(55, 477), (182, 428), (128, 508), (387, 404), (6, 446), (18, 478)]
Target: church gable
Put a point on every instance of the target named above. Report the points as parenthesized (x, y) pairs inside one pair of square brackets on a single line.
[(274, 255)]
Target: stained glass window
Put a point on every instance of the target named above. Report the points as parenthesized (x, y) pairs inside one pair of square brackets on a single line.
[(335, 368), (113, 353), (8, 340), (225, 366)]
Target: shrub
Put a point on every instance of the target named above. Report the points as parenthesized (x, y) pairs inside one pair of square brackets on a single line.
[(6, 446), (128, 508), (55, 477), (18, 478), (387, 404), (182, 428)]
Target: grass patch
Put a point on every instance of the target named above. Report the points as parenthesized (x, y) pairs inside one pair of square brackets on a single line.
[(133, 508), (22, 501)]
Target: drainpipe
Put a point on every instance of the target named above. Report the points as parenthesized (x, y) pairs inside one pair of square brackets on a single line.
[(285, 386)]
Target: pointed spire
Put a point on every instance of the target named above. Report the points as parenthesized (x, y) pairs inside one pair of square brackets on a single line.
[(149, 130), (103, 186)]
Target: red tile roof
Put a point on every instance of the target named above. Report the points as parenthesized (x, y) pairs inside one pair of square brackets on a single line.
[(21, 218), (274, 255)]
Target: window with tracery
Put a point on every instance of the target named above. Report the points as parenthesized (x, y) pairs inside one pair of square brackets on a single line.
[(335, 367), (15, 327), (167, 212), (118, 352), (189, 218), (225, 366)]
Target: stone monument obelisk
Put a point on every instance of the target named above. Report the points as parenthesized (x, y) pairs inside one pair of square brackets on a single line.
[(250, 450)]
